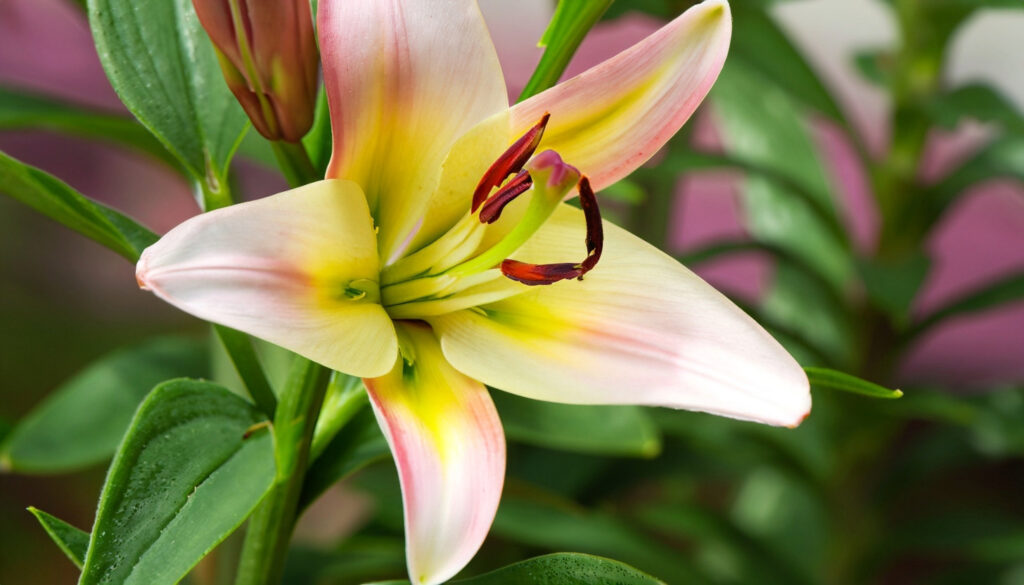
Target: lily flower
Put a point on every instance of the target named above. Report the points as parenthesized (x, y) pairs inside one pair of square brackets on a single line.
[(439, 256)]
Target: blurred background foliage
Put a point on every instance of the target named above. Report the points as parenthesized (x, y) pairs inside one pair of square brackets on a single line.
[(924, 489)]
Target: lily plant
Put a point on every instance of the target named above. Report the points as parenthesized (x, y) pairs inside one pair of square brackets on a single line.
[(440, 257)]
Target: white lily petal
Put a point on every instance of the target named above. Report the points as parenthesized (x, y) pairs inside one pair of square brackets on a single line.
[(405, 79), (610, 119), (639, 329), (449, 448), (287, 268)]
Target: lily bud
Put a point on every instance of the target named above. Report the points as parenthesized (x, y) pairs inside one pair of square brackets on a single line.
[(268, 54)]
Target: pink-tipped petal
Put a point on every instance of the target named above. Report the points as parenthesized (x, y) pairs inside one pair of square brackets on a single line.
[(405, 79), (638, 329), (449, 448), (298, 269), (612, 118)]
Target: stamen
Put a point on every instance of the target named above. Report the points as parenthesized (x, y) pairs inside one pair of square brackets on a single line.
[(494, 205), (511, 161), (534, 274), (551, 180)]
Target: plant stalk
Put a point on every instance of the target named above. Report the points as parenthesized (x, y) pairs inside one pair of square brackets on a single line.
[(295, 163), (270, 526)]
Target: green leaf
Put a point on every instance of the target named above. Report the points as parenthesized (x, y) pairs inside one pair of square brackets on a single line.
[(893, 285), (194, 464), (601, 430), (765, 48), (979, 102), (82, 422), (542, 519), (874, 65), (761, 124), (820, 207), (1002, 158), (571, 22), (1005, 290), (73, 542), (25, 110), (358, 444), (163, 67), (357, 559), (561, 569), (833, 380), (58, 201)]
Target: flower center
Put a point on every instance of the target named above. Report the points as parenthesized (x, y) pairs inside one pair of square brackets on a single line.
[(464, 267)]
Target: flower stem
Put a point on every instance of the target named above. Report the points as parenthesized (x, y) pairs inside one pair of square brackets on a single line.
[(247, 364), (270, 526), (294, 162)]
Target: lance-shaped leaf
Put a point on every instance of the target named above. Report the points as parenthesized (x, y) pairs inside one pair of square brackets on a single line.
[(761, 44), (1001, 158), (164, 69), (833, 380), (73, 542), (58, 201), (978, 101), (194, 464), (571, 22), (1005, 290), (81, 423), (25, 110)]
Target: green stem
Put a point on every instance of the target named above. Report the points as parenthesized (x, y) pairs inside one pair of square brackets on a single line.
[(294, 161), (247, 364), (345, 398), (213, 193), (270, 526)]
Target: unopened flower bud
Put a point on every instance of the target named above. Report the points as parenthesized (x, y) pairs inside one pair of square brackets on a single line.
[(268, 54)]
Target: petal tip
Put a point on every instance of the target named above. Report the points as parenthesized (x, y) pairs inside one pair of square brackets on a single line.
[(799, 421), (141, 268), (715, 8)]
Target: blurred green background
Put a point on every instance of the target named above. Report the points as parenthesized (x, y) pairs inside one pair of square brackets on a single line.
[(854, 181)]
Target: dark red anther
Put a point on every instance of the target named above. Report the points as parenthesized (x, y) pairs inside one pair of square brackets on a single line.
[(511, 161), (534, 274), (494, 205), (595, 229)]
